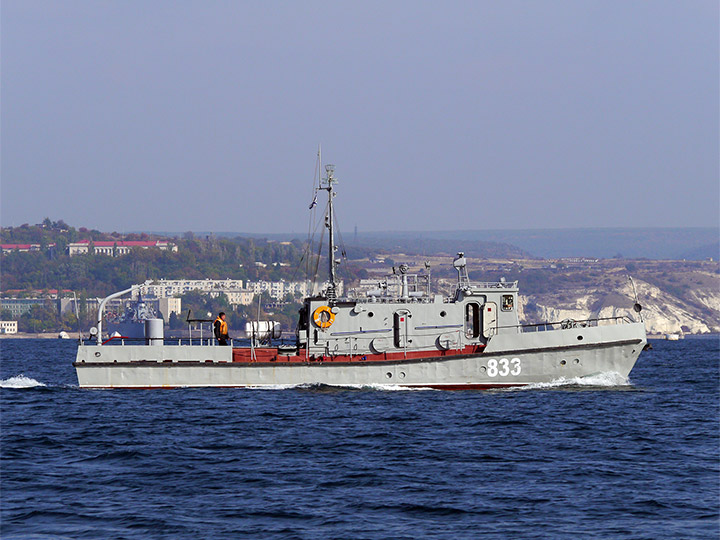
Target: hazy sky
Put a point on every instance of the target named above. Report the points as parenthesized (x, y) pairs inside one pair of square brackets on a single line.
[(175, 116)]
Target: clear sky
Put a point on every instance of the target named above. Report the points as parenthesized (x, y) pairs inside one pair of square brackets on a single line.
[(190, 115)]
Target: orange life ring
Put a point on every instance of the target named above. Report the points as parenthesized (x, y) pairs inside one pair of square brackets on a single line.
[(321, 320)]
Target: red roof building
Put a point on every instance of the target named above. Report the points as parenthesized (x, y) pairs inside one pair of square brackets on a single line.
[(7, 248)]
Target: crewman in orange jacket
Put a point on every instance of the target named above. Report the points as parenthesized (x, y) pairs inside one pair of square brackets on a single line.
[(221, 329)]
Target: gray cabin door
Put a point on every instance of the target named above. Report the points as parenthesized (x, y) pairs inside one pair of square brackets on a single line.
[(472, 320), (400, 328), (489, 319)]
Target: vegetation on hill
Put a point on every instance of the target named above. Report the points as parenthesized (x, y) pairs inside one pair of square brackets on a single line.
[(688, 285), (100, 275), (90, 275)]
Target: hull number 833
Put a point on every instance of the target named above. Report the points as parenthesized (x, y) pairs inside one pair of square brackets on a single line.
[(503, 367)]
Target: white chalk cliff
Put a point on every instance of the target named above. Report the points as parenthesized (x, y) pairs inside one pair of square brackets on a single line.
[(662, 312)]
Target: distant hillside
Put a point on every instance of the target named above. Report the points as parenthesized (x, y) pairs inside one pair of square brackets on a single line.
[(51, 266), (690, 243), (410, 243), (630, 243), (424, 244)]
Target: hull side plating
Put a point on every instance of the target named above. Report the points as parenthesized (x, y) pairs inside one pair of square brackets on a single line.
[(514, 360)]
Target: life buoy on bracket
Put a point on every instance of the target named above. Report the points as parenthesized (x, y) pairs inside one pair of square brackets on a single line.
[(323, 317)]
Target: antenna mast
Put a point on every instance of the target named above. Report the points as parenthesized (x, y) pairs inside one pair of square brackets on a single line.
[(328, 186)]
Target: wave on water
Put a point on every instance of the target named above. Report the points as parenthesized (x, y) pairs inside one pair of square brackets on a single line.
[(610, 379), (604, 380), (387, 387), (20, 381)]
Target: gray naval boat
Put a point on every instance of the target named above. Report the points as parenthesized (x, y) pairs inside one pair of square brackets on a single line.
[(398, 334), (131, 323)]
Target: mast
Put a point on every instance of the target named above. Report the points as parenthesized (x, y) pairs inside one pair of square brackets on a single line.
[(329, 223)]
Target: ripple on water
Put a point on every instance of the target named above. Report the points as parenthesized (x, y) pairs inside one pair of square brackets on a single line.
[(573, 458)]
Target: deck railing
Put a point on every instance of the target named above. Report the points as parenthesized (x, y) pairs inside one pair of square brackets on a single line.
[(565, 324), (185, 341)]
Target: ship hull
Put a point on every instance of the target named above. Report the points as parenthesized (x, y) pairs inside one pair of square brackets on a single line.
[(508, 360)]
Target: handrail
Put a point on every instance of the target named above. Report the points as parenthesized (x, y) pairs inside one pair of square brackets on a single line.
[(101, 309), (490, 284), (114, 337), (183, 341), (569, 323)]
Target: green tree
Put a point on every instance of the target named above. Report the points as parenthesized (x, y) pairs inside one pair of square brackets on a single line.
[(174, 321), (39, 319)]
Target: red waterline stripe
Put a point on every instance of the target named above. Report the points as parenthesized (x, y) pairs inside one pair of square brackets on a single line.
[(290, 387)]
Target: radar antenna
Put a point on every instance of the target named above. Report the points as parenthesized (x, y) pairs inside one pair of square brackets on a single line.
[(460, 264)]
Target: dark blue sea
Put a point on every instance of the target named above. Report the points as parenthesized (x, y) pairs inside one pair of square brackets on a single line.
[(606, 460)]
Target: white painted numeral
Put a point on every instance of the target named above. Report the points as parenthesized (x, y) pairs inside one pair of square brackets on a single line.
[(505, 363), (492, 369), (504, 370)]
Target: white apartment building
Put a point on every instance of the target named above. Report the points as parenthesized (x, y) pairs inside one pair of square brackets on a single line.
[(165, 288), (8, 327), (116, 248), (168, 306), (170, 288), (232, 288), (240, 297)]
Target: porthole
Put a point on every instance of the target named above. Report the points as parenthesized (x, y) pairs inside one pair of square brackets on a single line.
[(371, 314), (483, 369), (97, 353), (443, 313), (563, 362), (576, 361), (580, 338), (402, 375), (388, 375)]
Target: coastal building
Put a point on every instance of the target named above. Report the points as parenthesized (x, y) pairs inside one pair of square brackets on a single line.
[(117, 248), (19, 306), (8, 327), (236, 291), (170, 289), (67, 305), (241, 297), (168, 306), (23, 248), (37, 293), (278, 290), (166, 288)]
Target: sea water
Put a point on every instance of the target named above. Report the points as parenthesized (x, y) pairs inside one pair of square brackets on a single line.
[(601, 458)]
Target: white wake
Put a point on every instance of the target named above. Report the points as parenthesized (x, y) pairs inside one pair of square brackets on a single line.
[(20, 381), (607, 379)]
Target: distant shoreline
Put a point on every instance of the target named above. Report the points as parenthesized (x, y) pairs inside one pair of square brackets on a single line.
[(39, 335)]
